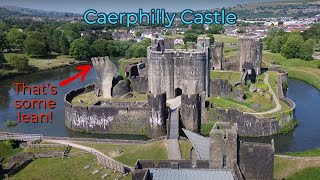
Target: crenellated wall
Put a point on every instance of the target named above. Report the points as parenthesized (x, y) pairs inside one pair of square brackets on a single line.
[(112, 117), (176, 69)]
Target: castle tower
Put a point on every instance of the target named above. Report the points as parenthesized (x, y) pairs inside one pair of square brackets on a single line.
[(203, 42), (105, 71), (250, 51), (223, 146), (191, 111), (217, 56)]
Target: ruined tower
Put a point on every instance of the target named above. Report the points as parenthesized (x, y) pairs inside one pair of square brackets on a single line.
[(105, 71), (217, 56), (223, 146), (250, 51)]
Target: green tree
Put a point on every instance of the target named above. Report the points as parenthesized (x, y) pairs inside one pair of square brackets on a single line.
[(216, 29), (4, 44), (211, 37), (190, 37), (80, 49), (99, 48), (291, 49), (138, 49), (2, 58), (277, 43), (138, 33), (63, 44), (307, 49), (16, 37), (19, 62), (35, 47)]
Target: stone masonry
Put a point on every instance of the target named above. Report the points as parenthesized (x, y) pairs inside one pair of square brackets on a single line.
[(105, 71)]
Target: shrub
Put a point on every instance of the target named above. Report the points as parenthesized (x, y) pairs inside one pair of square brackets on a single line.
[(206, 128), (318, 66), (11, 143), (285, 85), (19, 62), (11, 123)]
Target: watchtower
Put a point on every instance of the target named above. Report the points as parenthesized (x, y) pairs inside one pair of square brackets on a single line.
[(223, 145)]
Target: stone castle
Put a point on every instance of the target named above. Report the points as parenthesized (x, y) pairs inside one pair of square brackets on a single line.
[(182, 77)]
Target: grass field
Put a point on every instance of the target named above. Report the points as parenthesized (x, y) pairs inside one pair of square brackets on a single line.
[(309, 153), (306, 174), (185, 147), (132, 152), (89, 99), (60, 169), (284, 168), (53, 61), (307, 71)]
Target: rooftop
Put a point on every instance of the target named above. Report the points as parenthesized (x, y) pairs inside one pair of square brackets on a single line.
[(190, 174)]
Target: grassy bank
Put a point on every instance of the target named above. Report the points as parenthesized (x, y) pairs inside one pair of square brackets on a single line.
[(306, 174), (130, 153), (309, 153), (285, 168), (41, 64), (307, 71), (185, 147), (68, 168)]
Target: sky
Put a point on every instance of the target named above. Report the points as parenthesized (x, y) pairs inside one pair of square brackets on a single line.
[(107, 6)]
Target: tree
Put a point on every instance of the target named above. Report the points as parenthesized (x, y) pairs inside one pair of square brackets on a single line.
[(211, 38), (138, 49), (63, 44), (307, 49), (216, 29), (190, 37), (99, 48), (277, 43), (19, 62), (291, 49), (35, 47), (2, 58), (80, 49), (138, 33), (16, 37), (4, 44)]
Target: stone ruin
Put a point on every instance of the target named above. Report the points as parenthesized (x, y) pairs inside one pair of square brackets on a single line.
[(105, 71)]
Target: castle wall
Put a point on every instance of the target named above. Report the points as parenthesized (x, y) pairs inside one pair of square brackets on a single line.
[(217, 56), (220, 87), (139, 84), (256, 160), (191, 111), (172, 70), (158, 113), (223, 146), (250, 51), (109, 117)]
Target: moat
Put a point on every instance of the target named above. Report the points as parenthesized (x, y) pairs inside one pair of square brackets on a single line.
[(305, 136)]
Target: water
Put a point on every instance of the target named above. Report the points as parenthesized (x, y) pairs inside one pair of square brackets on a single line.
[(307, 135), (57, 127)]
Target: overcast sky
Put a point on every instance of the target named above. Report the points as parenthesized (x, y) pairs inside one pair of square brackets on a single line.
[(107, 6)]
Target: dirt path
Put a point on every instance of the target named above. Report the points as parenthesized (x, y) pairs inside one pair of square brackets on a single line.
[(275, 99)]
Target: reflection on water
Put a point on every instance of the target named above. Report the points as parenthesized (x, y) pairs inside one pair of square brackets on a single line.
[(57, 127), (307, 135)]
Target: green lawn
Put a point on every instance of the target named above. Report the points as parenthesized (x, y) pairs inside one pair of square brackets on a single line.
[(61, 169), (224, 38), (185, 147), (309, 153), (132, 152), (233, 77), (89, 99), (48, 62), (307, 71), (227, 103), (307, 174)]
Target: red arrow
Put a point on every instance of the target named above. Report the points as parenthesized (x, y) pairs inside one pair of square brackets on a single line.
[(84, 69)]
